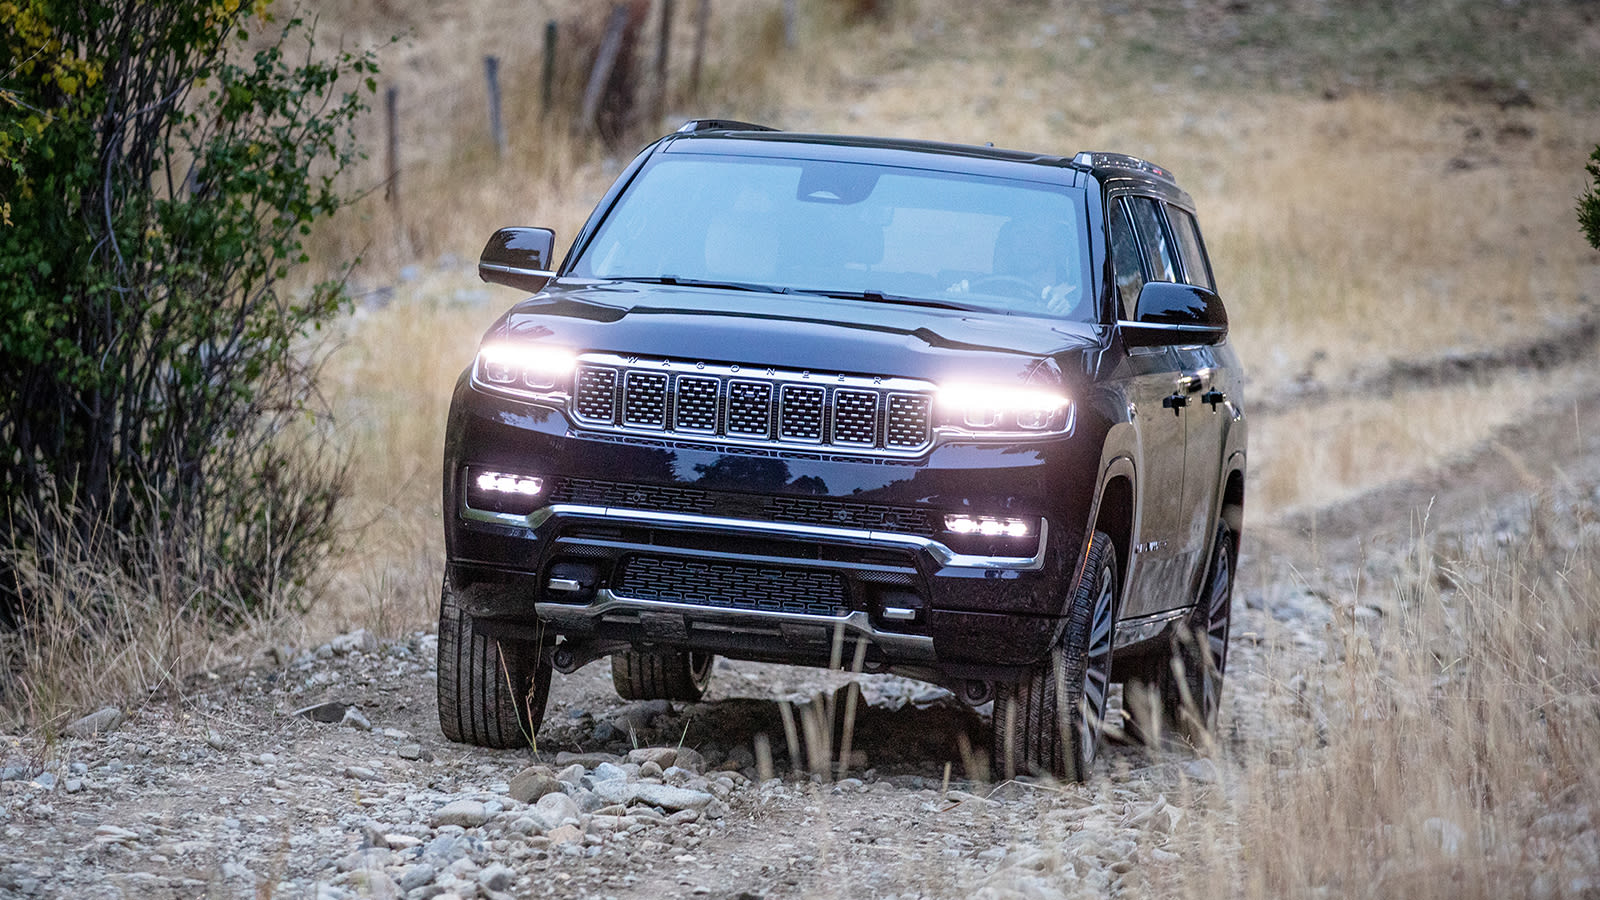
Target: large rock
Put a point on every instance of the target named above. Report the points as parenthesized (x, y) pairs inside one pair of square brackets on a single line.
[(587, 760), (532, 783), (665, 796), (556, 809), (106, 718), (661, 756), (466, 813)]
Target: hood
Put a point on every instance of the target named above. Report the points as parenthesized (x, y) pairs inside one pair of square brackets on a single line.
[(791, 331)]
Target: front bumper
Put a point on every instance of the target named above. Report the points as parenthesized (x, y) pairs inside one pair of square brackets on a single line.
[(725, 577)]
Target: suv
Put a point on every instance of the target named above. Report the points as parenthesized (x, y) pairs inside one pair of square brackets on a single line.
[(964, 414)]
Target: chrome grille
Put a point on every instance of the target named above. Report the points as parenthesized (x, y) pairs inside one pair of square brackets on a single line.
[(754, 405)]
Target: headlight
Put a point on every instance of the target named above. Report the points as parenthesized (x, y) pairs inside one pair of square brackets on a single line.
[(528, 367), (1004, 409)]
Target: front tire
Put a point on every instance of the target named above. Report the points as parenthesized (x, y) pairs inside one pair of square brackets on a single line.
[(492, 691), (1051, 721), (661, 674)]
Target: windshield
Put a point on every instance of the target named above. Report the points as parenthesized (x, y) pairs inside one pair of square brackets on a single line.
[(848, 229)]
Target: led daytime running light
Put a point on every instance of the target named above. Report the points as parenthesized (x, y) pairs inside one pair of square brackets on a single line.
[(987, 526), (500, 483)]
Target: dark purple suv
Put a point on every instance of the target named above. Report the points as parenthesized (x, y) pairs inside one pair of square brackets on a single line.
[(964, 414)]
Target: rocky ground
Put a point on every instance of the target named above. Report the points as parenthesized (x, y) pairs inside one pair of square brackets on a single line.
[(321, 772)]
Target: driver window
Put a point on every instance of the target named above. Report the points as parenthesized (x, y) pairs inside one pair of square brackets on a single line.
[(1125, 259)]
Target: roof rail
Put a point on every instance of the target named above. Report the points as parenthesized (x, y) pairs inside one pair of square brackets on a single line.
[(1102, 159), (695, 125)]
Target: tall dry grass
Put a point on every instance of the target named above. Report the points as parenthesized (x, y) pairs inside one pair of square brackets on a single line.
[(1447, 752), (105, 619)]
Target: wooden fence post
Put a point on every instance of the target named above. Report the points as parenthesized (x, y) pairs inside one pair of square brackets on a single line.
[(610, 45), (491, 74), (391, 189), (659, 107), (702, 21), (547, 88)]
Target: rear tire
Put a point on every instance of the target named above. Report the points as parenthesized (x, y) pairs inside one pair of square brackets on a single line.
[(1184, 686), (492, 691), (1050, 722), (661, 674)]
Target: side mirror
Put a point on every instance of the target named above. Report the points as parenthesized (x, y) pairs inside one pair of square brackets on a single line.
[(1171, 314), (519, 258)]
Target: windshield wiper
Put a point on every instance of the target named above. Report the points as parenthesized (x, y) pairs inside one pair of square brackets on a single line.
[(702, 283), (881, 297)]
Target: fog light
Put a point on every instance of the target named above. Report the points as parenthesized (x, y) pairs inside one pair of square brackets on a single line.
[(503, 492), (988, 526), (496, 482)]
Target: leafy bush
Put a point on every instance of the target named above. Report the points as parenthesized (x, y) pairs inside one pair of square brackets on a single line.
[(159, 168), (1589, 203)]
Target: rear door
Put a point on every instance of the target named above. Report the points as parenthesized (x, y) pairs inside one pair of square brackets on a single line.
[(1207, 412)]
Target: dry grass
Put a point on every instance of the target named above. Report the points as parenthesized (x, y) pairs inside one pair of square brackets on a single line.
[(1312, 456), (1447, 753), (95, 629)]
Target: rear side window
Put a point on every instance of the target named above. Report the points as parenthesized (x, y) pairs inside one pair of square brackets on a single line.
[(1125, 258), (1196, 268), (1158, 251)]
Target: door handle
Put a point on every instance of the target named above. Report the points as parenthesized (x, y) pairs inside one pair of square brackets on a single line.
[(1213, 397), (1175, 402)]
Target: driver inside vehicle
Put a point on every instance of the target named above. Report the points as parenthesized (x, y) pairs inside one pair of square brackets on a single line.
[(1031, 263)]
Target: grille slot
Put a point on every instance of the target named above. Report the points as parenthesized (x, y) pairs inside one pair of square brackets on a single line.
[(596, 398), (908, 420), (800, 413), (750, 408), (733, 586), (644, 400), (797, 409), (855, 418), (697, 404)]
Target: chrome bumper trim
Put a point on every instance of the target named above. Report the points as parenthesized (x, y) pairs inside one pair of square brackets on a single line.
[(941, 553)]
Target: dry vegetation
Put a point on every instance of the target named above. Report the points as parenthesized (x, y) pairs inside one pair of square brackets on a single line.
[(1372, 187)]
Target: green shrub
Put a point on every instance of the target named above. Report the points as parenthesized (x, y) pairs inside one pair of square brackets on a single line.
[(159, 167), (1589, 203)]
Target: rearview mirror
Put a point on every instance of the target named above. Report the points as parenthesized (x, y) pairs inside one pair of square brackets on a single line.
[(519, 258), (1170, 314)]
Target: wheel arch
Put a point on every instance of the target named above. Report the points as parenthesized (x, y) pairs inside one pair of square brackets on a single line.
[(1116, 515)]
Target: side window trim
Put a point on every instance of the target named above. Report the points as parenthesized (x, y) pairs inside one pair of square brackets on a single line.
[(1129, 306)]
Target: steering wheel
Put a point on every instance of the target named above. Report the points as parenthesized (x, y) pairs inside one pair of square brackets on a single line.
[(1007, 285)]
